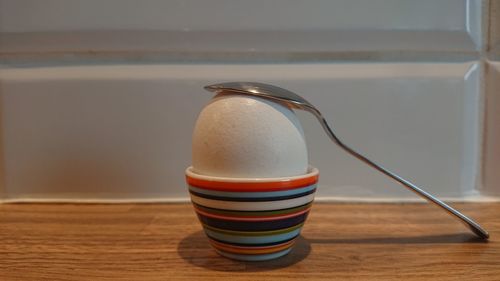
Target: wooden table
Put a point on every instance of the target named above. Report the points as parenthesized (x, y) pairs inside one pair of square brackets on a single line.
[(165, 242)]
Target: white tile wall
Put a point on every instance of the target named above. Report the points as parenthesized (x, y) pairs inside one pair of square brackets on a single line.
[(491, 150), (229, 28), (124, 131), (492, 132), (494, 29), (98, 97)]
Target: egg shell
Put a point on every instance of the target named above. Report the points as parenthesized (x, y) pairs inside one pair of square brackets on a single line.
[(243, 136)]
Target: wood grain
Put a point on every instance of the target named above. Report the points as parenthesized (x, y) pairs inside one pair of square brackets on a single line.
[(165, 242)]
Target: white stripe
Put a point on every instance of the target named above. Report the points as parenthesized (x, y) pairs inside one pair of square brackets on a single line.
[(252, 206)]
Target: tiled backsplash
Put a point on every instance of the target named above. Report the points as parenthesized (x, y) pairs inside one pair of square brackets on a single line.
[(229, 30), (494, 31), (99, 101), (491, 175)]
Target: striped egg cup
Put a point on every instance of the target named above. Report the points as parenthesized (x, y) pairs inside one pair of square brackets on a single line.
[(252, 219)]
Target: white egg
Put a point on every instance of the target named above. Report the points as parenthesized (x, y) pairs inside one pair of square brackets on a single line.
[(248, 137)]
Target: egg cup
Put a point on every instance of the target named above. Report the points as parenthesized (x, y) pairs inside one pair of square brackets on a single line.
[(252, 219)]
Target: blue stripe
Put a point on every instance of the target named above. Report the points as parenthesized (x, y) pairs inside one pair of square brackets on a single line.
[(252, 225), (253, 239), (253, 194), (252, 199)]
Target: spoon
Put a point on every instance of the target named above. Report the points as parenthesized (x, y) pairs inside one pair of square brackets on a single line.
[(298, 102)]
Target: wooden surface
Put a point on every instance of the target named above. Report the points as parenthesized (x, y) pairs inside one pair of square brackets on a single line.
[(165, 242)]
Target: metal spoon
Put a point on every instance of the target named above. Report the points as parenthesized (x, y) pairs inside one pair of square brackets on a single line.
[(296, 101)]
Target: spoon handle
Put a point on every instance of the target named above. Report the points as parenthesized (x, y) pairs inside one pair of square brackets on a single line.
[(472, 225)]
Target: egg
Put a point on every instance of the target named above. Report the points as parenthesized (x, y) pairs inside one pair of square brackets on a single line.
[(243, 136)]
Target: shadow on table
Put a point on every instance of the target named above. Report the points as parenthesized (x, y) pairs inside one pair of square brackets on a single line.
[(196, 250), (456, 238)]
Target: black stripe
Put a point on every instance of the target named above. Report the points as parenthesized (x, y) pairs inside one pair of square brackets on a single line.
[(252, 199), (253, 225), (253, 244), (236, 211)]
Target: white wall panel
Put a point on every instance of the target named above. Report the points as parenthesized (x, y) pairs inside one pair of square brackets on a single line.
[(491, 151), (226, 26), (123, 132), (494, 29)]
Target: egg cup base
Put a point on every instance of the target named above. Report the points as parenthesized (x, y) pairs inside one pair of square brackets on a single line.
[(254, 258)]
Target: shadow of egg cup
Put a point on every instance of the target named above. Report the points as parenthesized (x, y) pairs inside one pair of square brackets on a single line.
[(252, 219)]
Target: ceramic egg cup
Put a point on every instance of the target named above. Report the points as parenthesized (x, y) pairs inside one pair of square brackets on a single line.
[(252, 219)]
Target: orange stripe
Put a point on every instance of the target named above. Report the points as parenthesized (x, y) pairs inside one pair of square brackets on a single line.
[(249, 218), (252, 186), (252, 250)]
